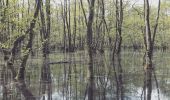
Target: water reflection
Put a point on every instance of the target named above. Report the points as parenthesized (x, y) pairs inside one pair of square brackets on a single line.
[(13, 89), (91, 85), (102, 78), (21, 86), (68, 79), (118, 74), (147, 90), (3, 83), (45, 80)]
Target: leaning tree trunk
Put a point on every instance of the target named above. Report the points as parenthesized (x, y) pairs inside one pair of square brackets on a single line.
[(30, 32), (10, 60)]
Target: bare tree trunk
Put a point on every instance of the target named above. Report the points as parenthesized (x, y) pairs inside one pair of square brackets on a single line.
[(45, 82), (84, 13), (90, 49), (119, 21), (117, 50), (21, 71), (11, 54), (149, 45), (64, 25), (69, 29), (46, 76), (75, 25)]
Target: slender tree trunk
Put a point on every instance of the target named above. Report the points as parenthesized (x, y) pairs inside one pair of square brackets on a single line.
[(69, 29), (90, 49), (149, 45), (117, 50), (64, 25), (75, 25), (119, 21), (45, 35)]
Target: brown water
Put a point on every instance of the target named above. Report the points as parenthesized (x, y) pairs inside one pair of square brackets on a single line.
[(68, 78)]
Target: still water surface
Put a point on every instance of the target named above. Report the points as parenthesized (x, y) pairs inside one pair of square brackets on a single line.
[(67, 78)]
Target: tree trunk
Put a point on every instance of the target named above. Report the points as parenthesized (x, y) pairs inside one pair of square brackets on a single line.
[(90, 49), (149, 44), (30, 32), (119, 21)]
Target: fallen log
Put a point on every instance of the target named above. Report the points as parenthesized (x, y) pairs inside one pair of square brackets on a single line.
[(65, 62), (60, 62)]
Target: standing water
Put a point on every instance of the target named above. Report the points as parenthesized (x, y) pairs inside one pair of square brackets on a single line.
[(68, 78)]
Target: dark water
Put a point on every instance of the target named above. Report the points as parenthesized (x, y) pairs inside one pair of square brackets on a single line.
[(67, 78)]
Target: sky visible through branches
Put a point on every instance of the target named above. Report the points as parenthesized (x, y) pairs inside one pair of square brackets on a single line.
[(138, 2)]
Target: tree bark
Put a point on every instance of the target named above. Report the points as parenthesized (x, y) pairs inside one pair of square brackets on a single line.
[(30, 32), (90, 49), (119, 22), (149, 45)]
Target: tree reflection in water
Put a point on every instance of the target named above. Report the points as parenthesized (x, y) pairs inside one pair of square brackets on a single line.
[(111, 81), (46, 81), (149, 75), (147, 89), (10, 85), (4, 83), (24, 90), (118, 74)]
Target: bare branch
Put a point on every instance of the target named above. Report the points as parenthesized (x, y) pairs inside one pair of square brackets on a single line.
[(156, 24)]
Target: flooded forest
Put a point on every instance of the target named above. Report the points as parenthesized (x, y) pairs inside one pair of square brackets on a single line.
[(84, 50)]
